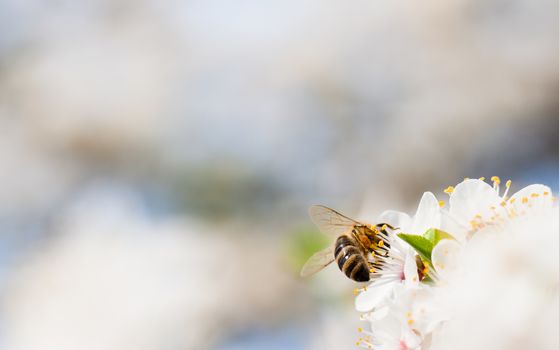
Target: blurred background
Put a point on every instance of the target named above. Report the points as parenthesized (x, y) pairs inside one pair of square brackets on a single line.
[(158, 157)]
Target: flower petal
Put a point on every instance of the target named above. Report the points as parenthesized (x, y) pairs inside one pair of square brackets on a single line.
[(451, 225), (411, 277), (395, 218), (473, 197), (445, 255), (428, 214), (373, 296), (532, 197)]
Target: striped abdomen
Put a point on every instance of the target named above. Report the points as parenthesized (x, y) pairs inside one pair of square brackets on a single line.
[(350, 259)]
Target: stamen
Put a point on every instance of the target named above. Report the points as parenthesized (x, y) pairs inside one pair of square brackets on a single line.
[(449, 190), (482, 178), (507, 187), (441, 204), (524, 200), (496, 182)]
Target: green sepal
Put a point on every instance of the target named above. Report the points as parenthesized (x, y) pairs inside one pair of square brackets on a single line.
[(422, 245), (435, 235)]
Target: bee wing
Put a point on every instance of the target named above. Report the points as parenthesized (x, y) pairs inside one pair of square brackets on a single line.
[(329, 221), (317, 262)]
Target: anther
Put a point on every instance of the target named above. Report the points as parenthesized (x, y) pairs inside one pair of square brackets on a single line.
[(441, 204), (496, 180), (482, 178), (449, 190)]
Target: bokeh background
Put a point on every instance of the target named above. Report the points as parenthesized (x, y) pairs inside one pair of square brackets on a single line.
[(158, 157)]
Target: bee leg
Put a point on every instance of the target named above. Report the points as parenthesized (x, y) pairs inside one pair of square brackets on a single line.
[(387, 225)]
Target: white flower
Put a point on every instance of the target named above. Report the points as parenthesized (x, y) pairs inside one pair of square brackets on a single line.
[(404, 321), (474, 204), (504, 289), (402, 267), (496, 286)]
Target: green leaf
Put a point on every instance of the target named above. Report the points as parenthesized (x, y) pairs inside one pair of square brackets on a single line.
[(422, 245), (435, 236)]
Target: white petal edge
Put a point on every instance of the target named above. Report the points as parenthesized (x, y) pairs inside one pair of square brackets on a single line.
[(373, 296), (428, 214)]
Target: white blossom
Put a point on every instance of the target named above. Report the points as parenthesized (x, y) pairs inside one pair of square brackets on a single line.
[(492, 284)]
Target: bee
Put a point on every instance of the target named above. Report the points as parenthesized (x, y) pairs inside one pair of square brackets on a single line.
[(356, 243)]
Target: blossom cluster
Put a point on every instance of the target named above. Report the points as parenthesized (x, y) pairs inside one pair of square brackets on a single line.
[(479, 273)]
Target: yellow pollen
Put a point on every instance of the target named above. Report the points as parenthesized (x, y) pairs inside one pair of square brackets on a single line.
[(411, 321), (524, 200), (534, 195), (449, 190), (512, 200), (372, 270), (503, 203), (482, 178), (441, 204), (381, 244), (372, 246), (356, 291), (509, 182), (496, 180), (478, 216), (360, 329), (408, 314), (546, 193), (384, 227)]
